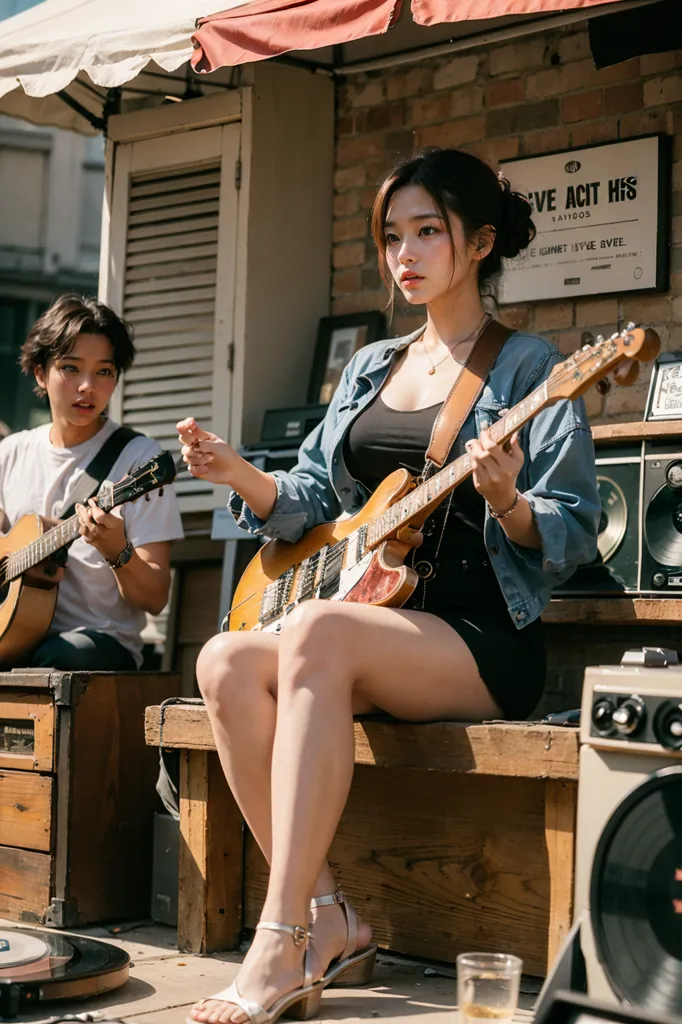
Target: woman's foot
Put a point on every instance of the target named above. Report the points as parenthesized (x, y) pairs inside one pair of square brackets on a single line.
[(329, 932), (272, 967)]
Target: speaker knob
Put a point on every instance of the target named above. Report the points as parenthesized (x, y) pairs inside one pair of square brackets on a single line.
[(629, 717), (659, 579), (668, 725), (673, 475), (602, 715)]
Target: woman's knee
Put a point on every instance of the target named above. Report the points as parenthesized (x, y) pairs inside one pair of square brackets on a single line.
[(228, 666), (316, 633)]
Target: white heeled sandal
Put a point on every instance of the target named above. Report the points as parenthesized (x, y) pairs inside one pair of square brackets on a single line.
[(302, 1004), (353, 967)]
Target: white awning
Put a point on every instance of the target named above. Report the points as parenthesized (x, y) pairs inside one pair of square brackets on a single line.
[(106, 42)]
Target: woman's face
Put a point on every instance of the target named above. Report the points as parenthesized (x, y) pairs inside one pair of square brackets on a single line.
[(419, 251)]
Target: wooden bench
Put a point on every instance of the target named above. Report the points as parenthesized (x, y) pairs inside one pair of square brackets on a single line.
[(455, 837)]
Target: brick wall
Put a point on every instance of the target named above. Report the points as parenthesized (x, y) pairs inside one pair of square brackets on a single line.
[(534, 96)]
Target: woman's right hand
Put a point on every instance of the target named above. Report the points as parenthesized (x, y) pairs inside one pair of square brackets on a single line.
[(207, 457)]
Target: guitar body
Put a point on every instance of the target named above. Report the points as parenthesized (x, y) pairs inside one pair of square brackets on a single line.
[(381, 578), (26, 606)]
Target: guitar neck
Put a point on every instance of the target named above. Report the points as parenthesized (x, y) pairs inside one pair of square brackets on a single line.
[(52, 540), (417, 506)]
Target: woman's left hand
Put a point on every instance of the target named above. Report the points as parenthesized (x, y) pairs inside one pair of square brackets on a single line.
[(495, 470), (104, 530)]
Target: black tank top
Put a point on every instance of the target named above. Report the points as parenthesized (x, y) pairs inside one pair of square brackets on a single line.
[(382, 440)]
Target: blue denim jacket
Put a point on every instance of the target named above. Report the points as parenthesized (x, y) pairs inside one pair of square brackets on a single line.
[(558, 476)]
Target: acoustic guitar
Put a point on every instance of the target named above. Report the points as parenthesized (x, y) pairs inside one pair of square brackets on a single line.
[(361, 558), (27, 605)]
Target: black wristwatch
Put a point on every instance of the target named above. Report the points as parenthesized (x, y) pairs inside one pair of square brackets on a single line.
[(123, 558)]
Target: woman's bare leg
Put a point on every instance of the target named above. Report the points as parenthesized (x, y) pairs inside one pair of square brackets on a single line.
[(237, 674), (335, 659)]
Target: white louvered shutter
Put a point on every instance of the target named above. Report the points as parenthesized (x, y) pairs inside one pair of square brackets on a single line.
[(176, 252)]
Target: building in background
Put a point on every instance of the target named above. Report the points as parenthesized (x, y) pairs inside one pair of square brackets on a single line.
[(51, 186)]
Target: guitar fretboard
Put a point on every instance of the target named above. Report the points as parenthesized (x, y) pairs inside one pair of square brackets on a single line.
[(420, 502), (44, 546)]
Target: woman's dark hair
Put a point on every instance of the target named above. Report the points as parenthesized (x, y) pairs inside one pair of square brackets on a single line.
[(54, 333), (463, 184)]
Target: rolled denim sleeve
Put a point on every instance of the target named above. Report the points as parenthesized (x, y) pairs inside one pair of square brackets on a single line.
[(305, 495), (561, 490)]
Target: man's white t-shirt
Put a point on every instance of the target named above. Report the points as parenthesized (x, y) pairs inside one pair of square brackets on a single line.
[(36, 476)]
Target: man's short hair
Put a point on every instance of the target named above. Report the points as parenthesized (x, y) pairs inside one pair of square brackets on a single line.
[(54, 333)]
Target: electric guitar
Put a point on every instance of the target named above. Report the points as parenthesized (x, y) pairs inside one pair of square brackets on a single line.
[(27, 605), (361, 558)]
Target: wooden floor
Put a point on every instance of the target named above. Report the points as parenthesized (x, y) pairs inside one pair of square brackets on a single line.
[(163, 985)]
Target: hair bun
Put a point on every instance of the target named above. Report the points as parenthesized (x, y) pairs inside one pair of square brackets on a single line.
[(516, 229)]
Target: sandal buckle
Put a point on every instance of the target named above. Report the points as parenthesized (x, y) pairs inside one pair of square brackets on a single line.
[(338, 896), (300, 935)]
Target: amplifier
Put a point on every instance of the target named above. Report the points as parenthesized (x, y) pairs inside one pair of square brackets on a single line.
[(284, 428), (640, 533)]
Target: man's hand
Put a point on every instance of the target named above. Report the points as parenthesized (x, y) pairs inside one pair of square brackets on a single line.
[(46, 573), (104, 530)]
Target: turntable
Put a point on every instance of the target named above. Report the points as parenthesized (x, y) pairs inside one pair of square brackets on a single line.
[(38, 966)]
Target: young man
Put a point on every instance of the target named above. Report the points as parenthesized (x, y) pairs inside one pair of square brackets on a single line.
[(119, 567)]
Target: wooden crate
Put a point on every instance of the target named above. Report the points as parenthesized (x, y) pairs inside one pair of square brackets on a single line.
[(77, 795), (454, 837)]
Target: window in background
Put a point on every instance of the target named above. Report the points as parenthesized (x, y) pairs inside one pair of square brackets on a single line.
[(20, 408), (92, 194)]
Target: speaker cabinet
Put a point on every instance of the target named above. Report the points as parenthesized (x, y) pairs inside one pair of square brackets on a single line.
[(628, 889), (616, 568), (661, 558), (640, 533)]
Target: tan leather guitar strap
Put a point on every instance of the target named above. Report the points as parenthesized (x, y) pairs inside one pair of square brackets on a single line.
[(464, 394)]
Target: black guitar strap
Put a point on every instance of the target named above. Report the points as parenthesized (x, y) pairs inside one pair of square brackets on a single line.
[(98, 469)]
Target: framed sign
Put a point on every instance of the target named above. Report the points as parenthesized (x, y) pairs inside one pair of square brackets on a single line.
[(338, 339), (602, 219), (664, 401)]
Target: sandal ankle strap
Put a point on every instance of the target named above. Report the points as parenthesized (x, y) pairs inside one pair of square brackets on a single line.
[(299, 934), (327, 900)]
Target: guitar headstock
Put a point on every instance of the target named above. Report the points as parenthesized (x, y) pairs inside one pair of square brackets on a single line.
[(156, 473), (622, 353)]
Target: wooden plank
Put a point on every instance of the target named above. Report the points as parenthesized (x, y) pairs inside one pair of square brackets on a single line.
[(614, 611), (211, 860), (637, 431), (32, 716), (25, 810), (501, 749), (560, 818), (440, 863), (24, 884)]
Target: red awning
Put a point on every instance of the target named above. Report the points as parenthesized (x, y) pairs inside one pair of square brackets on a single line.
[(267, 28), (436, 12)]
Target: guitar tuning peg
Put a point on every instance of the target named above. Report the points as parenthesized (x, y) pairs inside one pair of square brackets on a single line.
[(146, 497), (600, 339), (630, 326), (603, 386), (615, 336)]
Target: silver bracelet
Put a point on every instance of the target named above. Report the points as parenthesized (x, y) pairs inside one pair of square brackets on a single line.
[(503, 515)]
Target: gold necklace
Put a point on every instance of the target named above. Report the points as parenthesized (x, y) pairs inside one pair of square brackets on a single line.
[(476, 331)]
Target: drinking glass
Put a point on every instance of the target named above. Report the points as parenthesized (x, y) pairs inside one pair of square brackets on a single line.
[(487, 987)]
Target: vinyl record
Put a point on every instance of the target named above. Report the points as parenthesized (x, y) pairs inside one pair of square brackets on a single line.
[(614, 517), (37, 966), (636, 895), (662, 538)]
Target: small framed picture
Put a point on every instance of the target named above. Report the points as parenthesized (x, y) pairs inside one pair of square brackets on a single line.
[(664, 401), (338, 339)]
